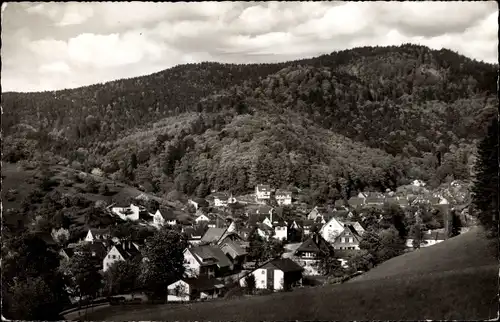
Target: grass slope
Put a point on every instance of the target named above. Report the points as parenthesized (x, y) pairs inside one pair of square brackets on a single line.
[(457, 279)]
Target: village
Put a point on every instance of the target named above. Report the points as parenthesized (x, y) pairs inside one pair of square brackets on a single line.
[(219, 227)]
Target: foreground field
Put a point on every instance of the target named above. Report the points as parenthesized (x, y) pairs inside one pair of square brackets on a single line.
[(457, 279)]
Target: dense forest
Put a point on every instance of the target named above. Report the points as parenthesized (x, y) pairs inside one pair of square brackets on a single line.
[(371, 117)]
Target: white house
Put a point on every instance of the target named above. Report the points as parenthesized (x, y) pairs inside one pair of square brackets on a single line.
[(275, 273), (95, 234), (202, 218), (205, 261), (128, 213), (123, 252), (281, 230), (283, 197), (164, 217), (262, 193), (190, 289), (331, 230)]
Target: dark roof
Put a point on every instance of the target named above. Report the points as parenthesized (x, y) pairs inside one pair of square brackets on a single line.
[(315, 243), (99, 248), (220, 195), (99, 231), (168, 213), (211, 252), (200, 201), (254, 219), (233, 248), (280, 192), (284, 264), (69, 252), (46, 237), (213, 234), (339, 203), (128, 252), (201, 284)]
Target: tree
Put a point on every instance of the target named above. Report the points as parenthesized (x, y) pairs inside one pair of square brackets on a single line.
[(83, 274), (361, 261), (485, 189), (164, 264), (121, 277), (61, 236), (32, 299), (391, 243), (329, 264), (417, 233), (455, 224), (250, 283), (32, 287)]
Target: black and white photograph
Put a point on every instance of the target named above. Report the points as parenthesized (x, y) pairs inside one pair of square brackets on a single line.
[(250, 161)]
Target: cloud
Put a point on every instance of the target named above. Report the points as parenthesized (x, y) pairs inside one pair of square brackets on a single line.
[(56, 67), (76, 13), (62, 45)]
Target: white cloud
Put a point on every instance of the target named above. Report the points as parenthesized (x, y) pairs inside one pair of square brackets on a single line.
[(75, 14), (56, 67), (82, 43)]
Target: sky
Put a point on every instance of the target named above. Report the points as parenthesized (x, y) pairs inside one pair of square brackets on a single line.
[(56, 45)]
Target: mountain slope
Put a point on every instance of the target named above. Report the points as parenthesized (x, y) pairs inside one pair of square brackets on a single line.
[(424, 109)]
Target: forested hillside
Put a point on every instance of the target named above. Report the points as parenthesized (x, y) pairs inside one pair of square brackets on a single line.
[(367, 117)]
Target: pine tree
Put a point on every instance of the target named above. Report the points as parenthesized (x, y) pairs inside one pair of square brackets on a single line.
[(485, 189)]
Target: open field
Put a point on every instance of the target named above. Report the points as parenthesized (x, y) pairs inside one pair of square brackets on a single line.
[(457, 279)]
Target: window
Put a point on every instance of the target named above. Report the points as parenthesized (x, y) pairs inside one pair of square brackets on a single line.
[(351, 239), (342, 240), (263, 272)]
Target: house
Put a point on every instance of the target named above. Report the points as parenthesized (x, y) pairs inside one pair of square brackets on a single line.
[(280, 229), (260, 210), (340, 204), (222, 199), (277, 274), (192, 289), (202, 218), (262, 193), (331, 229), (46, 237), (347, 239), (356, 202), (194, 234), (283, 197), (212, 235), (429, 238), (132, 212), (95, 234), (235, 251), (294, 231), (316, 212), (164, 216), (216, 221), (125, 251), (207, 260), (357, 226), (310, 252), (198, 203)]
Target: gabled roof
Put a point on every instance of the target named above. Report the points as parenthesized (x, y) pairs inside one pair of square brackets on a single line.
[(352, 232), (374, 199), (167, 213), (213, 254), (203, 283), (255, 219), (46, 237), (213, 234), (200, 201), (233, 248), (357, 226), (284, 193), (128, 252), (284, 264), (314, 244), (99, 231)]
